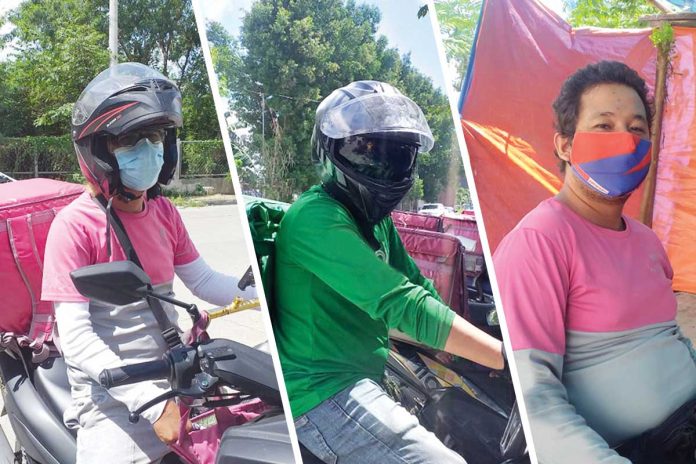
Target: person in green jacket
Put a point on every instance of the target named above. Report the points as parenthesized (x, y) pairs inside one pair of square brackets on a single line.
[(343, 279)]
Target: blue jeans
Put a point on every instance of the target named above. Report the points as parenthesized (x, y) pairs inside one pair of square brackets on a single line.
[(362, 424)]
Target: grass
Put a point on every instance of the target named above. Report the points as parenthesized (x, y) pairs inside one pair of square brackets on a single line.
[(186, 199), (186, 202)]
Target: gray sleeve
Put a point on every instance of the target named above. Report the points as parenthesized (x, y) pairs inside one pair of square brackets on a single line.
[(559, 433), (689, 344), (209, 285), (84, 349)]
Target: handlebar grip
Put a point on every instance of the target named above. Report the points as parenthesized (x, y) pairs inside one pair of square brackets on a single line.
[(133, 373)]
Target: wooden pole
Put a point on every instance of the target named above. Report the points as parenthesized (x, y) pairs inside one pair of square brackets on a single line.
[(648, 201)]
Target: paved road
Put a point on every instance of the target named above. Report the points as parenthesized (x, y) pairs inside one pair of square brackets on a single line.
[(217, 233)]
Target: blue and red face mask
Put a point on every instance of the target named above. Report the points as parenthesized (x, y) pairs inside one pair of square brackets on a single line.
[(611, 163)]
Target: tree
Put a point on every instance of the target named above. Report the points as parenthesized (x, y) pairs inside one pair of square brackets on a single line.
[(167, 38), (59, 48), (289, 56), (463, 199), (618, 14), (60, 45), (458, 20)]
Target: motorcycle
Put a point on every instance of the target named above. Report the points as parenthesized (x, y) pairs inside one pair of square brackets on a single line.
[(470, 408), (210, 373)]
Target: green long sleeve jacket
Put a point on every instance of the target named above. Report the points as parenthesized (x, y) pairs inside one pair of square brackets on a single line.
[(336, 299)]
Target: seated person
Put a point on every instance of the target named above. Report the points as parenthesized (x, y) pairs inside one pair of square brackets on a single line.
[(124, 128), (587, 291), (343, 279)]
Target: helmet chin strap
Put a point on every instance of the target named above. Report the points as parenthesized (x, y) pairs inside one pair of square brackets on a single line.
[(125, 195)]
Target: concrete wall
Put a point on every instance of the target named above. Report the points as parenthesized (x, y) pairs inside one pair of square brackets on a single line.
[(219, 184)]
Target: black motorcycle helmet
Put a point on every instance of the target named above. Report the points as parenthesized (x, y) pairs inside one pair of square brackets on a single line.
[(366, 138), (124, 98)]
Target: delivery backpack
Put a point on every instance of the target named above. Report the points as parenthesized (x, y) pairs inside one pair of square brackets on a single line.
[(27, 209), (264, 220)]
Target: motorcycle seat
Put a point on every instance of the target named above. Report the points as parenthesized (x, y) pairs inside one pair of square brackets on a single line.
[(52, 385)]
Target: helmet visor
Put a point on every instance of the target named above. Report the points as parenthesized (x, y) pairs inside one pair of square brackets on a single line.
[(377, 158), (112, 81), (377, 113)]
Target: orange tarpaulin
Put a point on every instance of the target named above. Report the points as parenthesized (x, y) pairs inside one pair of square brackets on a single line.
[(522, 55), (674, 218)]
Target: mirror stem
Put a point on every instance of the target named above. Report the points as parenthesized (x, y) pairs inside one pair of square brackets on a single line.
[(191, 309)]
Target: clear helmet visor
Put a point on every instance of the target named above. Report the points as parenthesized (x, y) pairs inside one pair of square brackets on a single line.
[(377, 113), (111, 81)]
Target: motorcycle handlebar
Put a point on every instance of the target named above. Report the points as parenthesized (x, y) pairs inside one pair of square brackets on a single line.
[(133, 373)]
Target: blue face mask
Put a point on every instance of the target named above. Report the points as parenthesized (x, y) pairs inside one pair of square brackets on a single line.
[(139, 166)]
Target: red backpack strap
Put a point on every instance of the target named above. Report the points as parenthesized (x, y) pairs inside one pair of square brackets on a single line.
[(30, 265)]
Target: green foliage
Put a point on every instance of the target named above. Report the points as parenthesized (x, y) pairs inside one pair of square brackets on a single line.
[(463, 200), (182, 199), (56, 154), (458, 21), (14, 119), (618, 14), (77, 178), (663, 38), (289, 56), (60, 45), (185, 198), (410, 201), (203, 157), (53, 154), (226, 56), (55, 115)]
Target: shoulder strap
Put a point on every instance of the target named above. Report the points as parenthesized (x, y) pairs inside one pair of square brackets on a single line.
[(113, 222)]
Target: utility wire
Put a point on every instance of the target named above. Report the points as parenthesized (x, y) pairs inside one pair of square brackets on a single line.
[(287, 97)]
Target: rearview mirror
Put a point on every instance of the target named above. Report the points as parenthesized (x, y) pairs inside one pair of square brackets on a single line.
[(118, 283)]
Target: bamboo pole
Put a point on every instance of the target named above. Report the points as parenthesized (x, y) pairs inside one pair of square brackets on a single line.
[(648, 201)]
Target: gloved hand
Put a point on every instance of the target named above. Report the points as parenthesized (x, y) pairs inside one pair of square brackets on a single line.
[(167, 426)]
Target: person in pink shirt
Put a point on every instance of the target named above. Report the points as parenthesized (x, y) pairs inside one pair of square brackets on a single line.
[(124, 131), (606, 374)]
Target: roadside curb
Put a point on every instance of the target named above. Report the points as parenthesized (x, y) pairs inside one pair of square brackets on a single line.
[(217, 200)]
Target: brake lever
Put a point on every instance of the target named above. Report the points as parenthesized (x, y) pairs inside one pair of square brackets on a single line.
[(200, 385), (134, 416), (247, 279)]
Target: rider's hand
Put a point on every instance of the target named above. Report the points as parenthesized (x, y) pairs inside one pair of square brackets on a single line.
[(167, 426), (444, 357)]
